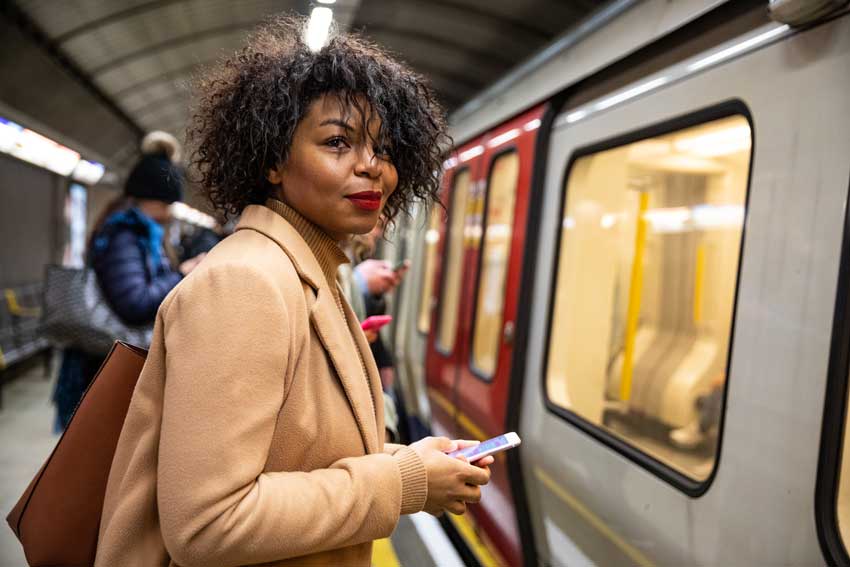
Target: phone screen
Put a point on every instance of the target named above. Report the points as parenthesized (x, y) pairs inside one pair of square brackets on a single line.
[(489, 447)]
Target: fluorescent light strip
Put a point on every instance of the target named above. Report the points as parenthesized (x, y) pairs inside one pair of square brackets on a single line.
[(532, 125), (630, 93), (471, 153), (502, 138), (745, 45), (676, 73), (88, 172), (30, 146)]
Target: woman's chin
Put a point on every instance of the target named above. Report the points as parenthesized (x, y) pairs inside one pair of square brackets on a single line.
[(362, 226)]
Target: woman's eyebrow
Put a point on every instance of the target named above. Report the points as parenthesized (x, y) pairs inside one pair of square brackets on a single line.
[(336, 122)]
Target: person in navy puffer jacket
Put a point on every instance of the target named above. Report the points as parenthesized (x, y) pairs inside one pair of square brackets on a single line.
[(126, 252)]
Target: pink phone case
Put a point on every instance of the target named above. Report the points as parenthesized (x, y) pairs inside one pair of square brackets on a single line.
[(375, 322)]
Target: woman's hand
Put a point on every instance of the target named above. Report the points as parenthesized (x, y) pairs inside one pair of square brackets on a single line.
[(371, 335), (378, 276), (452, 482)]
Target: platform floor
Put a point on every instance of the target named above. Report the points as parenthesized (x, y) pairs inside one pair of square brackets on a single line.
[(26, 439)]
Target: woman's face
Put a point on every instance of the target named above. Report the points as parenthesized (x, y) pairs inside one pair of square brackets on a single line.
[(335, 175)]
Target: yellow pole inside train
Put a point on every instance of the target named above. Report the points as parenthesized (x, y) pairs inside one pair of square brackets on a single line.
[(635, 288)]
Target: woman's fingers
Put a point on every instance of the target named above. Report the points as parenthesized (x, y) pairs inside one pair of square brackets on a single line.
[(471, 494), (485, 462), (476, 475)]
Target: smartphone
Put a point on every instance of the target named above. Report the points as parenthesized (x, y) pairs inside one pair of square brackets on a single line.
[(375, 322), (489, 447)]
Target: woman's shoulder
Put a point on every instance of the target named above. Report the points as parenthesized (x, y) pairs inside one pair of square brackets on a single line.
[(248, 254), (250, 249)]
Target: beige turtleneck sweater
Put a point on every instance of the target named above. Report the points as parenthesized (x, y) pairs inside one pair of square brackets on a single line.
[(325, 248)]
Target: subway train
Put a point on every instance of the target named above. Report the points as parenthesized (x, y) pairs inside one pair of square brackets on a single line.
[(641, 264)]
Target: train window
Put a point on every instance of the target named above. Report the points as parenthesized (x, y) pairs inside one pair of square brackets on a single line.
[(453, 263), (432, 238), (501, 194), (645, 289)]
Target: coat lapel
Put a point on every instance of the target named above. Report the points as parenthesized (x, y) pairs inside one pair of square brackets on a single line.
[(326, 320), (364, 394), (371, 369)]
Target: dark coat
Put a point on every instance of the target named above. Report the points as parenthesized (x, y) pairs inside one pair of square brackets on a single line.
[(132, 268), (134, 276)]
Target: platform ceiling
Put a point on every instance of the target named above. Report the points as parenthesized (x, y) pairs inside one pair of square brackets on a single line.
[(131, 60)]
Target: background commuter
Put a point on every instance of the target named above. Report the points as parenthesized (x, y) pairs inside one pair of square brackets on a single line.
[(126, 251)]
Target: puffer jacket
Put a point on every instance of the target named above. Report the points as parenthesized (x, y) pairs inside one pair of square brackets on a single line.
[(132, 268)]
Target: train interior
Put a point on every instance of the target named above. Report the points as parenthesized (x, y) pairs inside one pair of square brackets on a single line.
[(649, 252)]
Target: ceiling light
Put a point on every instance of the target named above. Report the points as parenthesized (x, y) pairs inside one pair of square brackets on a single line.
[(318, 28), (327, 1), (729, 52), (630, 93), (88, 172), (502, 138), (471, 153), (718, 142)]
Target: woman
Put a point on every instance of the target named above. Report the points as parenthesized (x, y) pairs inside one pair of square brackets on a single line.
[(126, 252), (254, 435)]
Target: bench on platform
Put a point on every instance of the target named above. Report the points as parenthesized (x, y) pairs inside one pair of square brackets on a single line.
[(20, 327)]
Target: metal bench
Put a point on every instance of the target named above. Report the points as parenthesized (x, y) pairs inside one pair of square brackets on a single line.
[(20, 328)]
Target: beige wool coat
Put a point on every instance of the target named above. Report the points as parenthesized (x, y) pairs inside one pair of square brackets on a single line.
[(254, 436)]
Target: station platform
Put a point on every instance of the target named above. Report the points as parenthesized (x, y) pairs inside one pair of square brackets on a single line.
[(26, 424)]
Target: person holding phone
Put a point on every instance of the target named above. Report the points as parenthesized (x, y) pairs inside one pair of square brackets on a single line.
[(255, 433)]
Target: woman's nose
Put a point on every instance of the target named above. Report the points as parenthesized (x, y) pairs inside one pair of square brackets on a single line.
[(368, 164)]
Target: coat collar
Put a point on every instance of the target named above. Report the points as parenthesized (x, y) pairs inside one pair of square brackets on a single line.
[(267, 222), (364, 396)]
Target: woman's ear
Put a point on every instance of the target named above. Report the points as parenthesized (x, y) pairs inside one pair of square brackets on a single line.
[(274, 175)]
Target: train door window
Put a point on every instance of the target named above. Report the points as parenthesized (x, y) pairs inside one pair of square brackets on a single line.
[(501, 194), (453, 263), (645, 290), (432, 239)]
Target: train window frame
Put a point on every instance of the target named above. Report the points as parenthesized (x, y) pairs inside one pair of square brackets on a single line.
[(474, 370), (831, 452), (435, 327), (692, 487)]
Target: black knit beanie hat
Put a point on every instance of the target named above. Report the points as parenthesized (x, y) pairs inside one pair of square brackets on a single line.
[(157, 176)]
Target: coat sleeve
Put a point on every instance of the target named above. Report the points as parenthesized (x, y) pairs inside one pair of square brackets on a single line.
[(229, 342), (122, 275)]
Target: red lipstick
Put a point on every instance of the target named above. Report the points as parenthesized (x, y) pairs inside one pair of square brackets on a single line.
[(366, 200)]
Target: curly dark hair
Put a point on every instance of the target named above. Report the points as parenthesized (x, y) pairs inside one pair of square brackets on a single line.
[(247, 109)]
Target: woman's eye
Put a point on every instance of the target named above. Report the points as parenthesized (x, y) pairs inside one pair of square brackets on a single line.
[(337, 142)]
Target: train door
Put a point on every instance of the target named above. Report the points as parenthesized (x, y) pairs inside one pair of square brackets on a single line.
[(451, 256), (489, 307), (676, 367)]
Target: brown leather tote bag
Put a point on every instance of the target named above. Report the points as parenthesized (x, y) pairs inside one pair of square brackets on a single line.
[(58, 517)]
